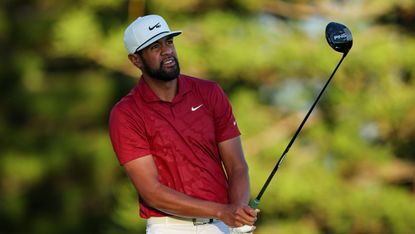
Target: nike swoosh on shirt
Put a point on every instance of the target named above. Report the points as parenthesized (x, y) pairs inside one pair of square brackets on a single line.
[(196, 107)]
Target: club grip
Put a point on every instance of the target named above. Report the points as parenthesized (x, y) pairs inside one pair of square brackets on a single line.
[(254, 204), (246, 228)]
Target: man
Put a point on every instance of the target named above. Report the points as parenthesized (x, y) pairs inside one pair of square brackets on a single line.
[(178, 141)]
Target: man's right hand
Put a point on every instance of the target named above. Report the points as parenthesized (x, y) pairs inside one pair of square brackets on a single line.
[(239, 215)]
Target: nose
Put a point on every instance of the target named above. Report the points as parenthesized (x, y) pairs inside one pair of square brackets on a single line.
[(167, 48)]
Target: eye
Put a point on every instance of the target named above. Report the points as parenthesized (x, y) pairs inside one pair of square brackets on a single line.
[(155, 46), (170, 41)]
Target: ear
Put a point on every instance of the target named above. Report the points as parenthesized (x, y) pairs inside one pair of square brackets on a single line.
[(136, 60)]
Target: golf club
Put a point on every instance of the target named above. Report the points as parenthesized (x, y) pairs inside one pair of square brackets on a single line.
[(340, 39)]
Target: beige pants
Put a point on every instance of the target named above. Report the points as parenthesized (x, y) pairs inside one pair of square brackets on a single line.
[(174, 225)]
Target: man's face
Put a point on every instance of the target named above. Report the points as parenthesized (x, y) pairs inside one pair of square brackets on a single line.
[(159, 60)]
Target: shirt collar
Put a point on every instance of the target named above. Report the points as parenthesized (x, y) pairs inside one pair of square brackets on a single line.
[(149, 96)]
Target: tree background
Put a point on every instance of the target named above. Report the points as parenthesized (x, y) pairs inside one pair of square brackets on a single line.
[(351, 170)]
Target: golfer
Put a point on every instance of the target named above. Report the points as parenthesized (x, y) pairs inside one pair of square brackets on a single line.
[(178, 140)]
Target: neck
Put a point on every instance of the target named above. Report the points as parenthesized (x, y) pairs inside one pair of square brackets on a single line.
[(165, 90)]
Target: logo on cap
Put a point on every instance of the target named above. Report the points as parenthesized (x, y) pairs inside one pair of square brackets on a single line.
[(155, 26)]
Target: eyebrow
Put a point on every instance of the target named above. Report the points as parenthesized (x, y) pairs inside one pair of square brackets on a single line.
[(158, 41), (167, 38)]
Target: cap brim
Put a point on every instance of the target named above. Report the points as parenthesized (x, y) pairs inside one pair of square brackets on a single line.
[(157, 37)]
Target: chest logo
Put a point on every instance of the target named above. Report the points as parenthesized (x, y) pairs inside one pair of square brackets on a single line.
[(194, 108)]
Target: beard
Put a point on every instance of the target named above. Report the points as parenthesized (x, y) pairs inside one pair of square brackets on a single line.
[(161, 73)]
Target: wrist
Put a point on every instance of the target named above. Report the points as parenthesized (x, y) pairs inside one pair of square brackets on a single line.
[(220, 212)]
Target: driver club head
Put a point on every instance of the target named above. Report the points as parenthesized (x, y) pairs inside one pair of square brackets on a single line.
[(339, 37)]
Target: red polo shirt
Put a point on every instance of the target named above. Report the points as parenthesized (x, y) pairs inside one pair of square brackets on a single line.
[(182, 136)]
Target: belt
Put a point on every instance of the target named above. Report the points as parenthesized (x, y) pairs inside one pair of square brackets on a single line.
[(180, 220)]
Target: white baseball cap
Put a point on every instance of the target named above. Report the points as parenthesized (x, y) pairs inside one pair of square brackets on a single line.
[(144, 31)]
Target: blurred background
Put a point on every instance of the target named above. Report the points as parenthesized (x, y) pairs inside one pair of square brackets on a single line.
[(351, 170)]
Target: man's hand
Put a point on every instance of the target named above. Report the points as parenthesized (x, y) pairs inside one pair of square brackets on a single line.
[(239, 215)]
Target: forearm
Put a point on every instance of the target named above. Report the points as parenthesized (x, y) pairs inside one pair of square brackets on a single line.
[(236, 170), (239, 188), (176, 203), (143, 174)]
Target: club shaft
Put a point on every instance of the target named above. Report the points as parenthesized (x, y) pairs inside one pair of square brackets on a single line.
[(255, 203)]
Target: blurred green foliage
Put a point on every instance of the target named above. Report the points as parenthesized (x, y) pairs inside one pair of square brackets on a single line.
[(352, 169)]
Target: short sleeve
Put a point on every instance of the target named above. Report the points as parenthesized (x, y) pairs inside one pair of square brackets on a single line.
[(225, 122), (128, 136)]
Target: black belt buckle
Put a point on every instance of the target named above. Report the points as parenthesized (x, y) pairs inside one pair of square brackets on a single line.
[(197, 222)]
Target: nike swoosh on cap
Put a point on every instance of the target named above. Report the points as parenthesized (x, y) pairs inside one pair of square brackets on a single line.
[(155, 26)]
